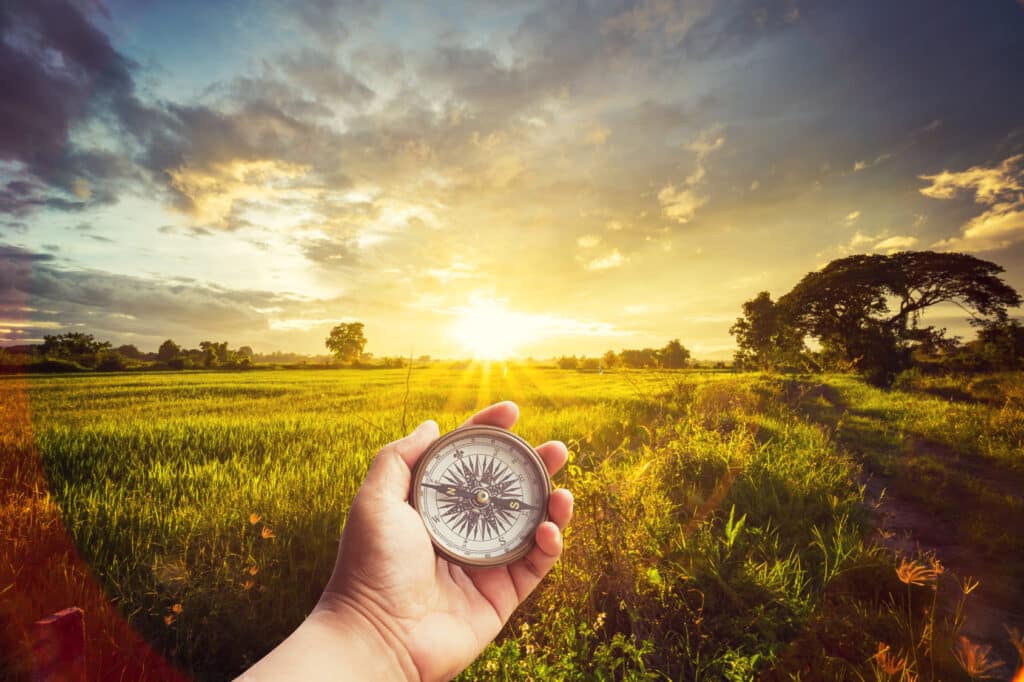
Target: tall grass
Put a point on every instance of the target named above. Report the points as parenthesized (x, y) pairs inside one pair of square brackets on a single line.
[(720, 527)]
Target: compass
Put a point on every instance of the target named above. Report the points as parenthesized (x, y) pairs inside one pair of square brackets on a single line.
[(482, 491)]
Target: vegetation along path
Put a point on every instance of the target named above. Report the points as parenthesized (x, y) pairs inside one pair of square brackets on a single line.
[(944, 472)]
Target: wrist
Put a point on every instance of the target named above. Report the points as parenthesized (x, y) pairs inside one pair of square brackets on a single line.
[(365, 632)]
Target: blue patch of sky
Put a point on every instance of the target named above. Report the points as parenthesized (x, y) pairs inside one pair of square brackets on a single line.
[(185, 47)]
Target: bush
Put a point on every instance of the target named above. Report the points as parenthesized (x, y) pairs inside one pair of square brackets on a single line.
[(568, 362), (13, 362), (111, 361), (51, 366)]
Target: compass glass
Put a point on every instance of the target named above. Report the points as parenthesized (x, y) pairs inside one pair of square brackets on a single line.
[(482, 492)]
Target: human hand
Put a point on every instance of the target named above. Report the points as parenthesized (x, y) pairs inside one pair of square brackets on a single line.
[(432, 617)]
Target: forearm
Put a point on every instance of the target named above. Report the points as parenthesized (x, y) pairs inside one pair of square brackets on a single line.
[(335, 642)]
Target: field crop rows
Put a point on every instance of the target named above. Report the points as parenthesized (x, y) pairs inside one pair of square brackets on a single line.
[(720, 531)]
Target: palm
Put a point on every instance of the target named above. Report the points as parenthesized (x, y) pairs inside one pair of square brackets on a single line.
[(443, 614)]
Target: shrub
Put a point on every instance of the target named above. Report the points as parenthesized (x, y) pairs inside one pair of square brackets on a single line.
[(111, 361), (53, 366)]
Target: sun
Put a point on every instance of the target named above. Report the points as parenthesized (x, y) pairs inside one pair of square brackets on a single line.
[(488, 330)]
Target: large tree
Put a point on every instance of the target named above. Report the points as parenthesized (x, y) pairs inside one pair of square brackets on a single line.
[(168, 351), (215, 353), (346, 341), (1000, 344), (866, 309), (764, 337), (674, 355), (638, 358), (72, 345), (76, 346), (920, 279)]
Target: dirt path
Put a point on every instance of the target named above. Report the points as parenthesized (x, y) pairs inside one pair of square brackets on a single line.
[(935, 503), (908, 528)]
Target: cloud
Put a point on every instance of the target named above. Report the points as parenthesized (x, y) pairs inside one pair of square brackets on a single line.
[(863, 243), (15, 256), (736, 27), (611, 260), (217, 192), (862, 165), (996, 228), (326, 251), (1000, 189), (129, 307), (681, 204), (891, 245), (709, 141), (859, 240), (989, 184), (851, 217), (589, 241), (493, 89), (457, 270), (323, 76), (597, 135), (224, 166), (328, 20), (57, 69)]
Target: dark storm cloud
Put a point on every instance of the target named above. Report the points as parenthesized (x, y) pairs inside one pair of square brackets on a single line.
[(190, 140), (55, 69), (27, 194), (52, 63), (106, 303), (14, 256)]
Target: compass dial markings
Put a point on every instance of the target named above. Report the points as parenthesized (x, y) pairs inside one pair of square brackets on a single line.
[(482, 498)]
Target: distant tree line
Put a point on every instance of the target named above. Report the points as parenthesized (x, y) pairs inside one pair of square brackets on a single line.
[(210, 355), (78, 351), (672, 356), (864, 313)]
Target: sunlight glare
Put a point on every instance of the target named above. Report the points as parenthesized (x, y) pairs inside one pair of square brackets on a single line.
[(490, 331)]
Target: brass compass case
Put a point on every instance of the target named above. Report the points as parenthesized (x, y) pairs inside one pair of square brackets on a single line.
[(481, 491)]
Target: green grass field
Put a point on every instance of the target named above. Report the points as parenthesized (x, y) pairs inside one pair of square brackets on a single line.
[(721, 528)]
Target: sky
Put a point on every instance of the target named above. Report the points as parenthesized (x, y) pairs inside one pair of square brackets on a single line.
[(535, 178)]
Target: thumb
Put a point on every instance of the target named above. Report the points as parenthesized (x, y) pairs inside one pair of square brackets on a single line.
[(391, 470)]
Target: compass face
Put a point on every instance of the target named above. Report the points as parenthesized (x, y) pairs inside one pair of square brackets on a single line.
[(482, 491)]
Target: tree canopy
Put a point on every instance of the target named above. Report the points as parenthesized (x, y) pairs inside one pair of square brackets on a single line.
[(765, 338), (850, 295), (72, 345), (346, 341), (674, 355), (866, 309)]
